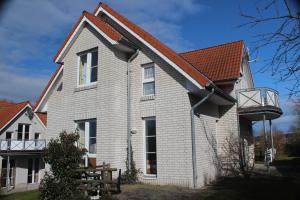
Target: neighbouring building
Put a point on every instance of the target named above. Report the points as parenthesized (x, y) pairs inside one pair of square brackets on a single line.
[(121, 87), (22, 139)]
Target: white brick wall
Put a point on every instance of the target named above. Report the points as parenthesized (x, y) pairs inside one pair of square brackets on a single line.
[(171, 107)]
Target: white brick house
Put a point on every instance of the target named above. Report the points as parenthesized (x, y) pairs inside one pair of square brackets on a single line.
[(22, 139), (119, 85)]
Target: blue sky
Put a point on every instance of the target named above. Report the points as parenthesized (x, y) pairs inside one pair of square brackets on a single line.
[(31, 31)]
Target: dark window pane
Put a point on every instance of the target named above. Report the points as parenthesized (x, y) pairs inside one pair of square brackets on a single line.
[(151, 144), (151, 165), (29, 177), (93, 129), (26, 128), (149, 88), (92, 147), (150, 127), (26, 136), (149, 72), (37, 136), (20, 128), (94, 58), (8, 135), (94, 74)]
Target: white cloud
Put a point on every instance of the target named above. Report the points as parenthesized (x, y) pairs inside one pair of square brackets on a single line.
[(17, 85), (31, 31)]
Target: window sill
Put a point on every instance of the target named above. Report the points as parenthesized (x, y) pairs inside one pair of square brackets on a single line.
[(85, 87), (150, 177), (147, 98)]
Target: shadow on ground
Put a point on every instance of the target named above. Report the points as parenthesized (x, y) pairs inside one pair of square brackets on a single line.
[(259, 187)]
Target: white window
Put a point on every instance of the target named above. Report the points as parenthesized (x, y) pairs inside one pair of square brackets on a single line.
[(88, 68), (150, 146), (23, 131), (87, 132), (148, 80)]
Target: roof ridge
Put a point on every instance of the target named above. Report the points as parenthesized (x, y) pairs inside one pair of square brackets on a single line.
[(214, 46), (187, 67)]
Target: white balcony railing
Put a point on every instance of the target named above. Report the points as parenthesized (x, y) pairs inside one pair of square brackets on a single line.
[(257, 97), (22, 145)]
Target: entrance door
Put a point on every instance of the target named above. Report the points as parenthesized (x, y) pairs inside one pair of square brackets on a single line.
[(12, 173)]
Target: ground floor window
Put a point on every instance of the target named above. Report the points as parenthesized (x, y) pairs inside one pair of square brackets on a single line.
[(150, 145), (33, 170), (88, 132), (12, 173)]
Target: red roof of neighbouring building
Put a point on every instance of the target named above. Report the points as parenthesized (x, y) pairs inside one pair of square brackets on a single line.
[(43, 117), (221, 62), (9, 110)]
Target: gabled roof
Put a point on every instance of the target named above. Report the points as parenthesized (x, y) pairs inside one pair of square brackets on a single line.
[(157, 46), (221, 62), (8, 111), (102, 27)]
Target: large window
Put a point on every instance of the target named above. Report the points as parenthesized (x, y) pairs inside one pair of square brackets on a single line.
[(87, 131), (88, 68), (150, 146), (148, 79), (23, 132)]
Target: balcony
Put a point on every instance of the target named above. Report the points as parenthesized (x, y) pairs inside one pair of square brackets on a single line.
[(255, 103), (21, 146)]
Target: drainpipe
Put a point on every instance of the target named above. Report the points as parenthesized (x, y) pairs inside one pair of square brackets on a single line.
[(129, 107), (194, 157)]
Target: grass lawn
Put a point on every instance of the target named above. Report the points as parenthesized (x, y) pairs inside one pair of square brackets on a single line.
[(30, 195)]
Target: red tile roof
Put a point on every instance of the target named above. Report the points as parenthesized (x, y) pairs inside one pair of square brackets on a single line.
[(43, 117), (9, 110), (103, 26), (166, 51), (221, 62)]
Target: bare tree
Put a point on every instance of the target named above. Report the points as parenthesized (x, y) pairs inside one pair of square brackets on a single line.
[(284, 16), (238, 156)]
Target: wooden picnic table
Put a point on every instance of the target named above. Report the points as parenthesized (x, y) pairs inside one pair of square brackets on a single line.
[(99, 180)]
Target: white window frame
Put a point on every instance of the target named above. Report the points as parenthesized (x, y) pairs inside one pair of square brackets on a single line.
[(87, 135), (150, 176), (148, 80), (88, 68)]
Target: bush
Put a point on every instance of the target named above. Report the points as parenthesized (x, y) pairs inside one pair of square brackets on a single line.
[(130, 176), (64, 158)]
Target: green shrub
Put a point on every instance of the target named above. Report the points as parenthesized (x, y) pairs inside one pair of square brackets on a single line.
[(64, 157)]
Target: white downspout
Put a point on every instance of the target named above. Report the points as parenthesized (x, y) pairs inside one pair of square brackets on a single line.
[(194, 157), (129, 107)]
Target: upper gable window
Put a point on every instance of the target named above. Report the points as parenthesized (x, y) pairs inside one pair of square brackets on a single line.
[(148, 79), (88, 67)]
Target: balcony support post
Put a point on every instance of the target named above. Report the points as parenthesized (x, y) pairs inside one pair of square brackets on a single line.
[(266, 143), (7, 173), (272, 141)]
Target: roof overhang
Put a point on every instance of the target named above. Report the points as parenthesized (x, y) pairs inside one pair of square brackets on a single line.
[(169, 61), (74, 35), (48, 88)]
